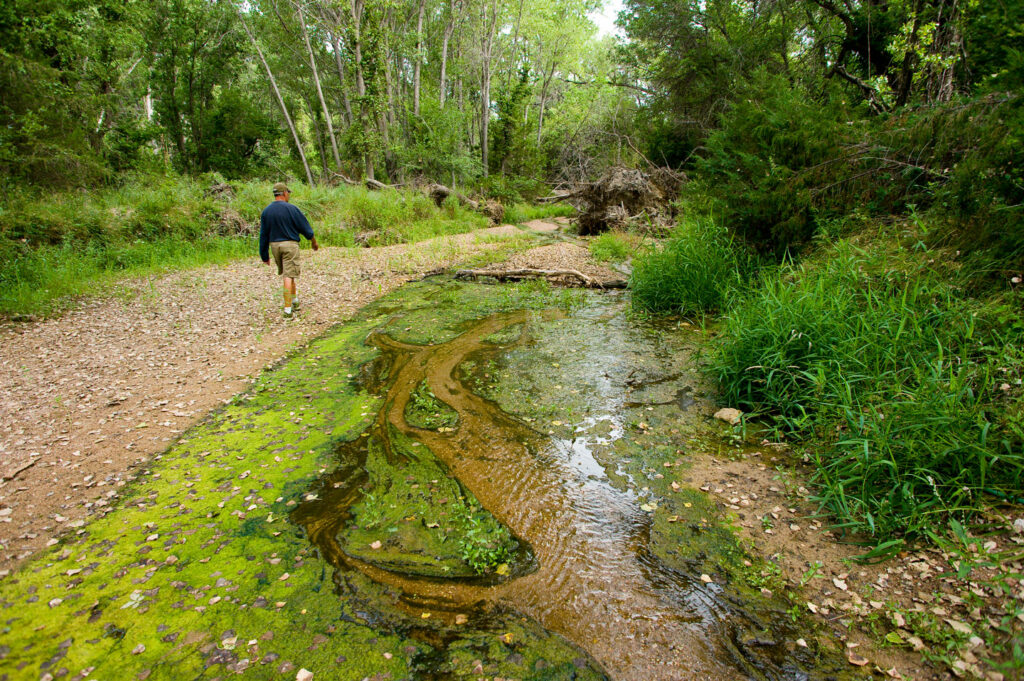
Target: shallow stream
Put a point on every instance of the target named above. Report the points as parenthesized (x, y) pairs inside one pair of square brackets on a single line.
[(544, 447)]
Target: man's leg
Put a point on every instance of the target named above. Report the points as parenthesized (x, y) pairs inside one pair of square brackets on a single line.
[(295, 293), (289, 292)]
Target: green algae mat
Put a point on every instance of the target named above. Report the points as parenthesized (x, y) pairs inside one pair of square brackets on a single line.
[(460, 482)]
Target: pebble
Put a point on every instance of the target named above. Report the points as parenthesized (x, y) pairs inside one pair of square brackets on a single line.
[(304, 675)]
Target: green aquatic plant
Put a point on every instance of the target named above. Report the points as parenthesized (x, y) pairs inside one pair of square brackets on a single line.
[(424, 410)]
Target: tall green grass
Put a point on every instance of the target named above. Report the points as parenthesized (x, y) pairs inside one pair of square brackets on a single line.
[(521, 213), (695, 271), (611, 247), (64, 244), (881, 364)]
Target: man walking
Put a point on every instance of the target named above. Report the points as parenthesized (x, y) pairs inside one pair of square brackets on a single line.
[(280, 226)]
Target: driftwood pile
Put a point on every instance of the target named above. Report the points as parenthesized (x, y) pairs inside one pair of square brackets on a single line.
[(625, 197), (229, 221)]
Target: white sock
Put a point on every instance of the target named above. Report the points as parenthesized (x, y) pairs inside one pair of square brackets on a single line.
[(288, 310)]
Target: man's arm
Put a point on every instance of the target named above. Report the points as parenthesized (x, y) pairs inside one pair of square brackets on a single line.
[(302, 224), (264, 241)]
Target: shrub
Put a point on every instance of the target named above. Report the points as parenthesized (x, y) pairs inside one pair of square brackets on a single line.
[(756, 165), (694, 272)]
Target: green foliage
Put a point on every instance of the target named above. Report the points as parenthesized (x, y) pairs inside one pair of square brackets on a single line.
[(521, 213), (73, 243), (393, 217), (483, 542), (510, 189), (880, 357), (695, 271), (509, 136), (610, 247), (424, 410), (241, 137), (755, 165)]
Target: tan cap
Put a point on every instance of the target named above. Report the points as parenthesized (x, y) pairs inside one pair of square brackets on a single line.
[(281, 188)]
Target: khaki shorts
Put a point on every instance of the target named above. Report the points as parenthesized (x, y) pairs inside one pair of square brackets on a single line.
[(286, 255)]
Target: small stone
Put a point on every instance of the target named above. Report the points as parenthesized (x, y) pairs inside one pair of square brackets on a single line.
[(706, 579), (802, 643), (729, 415), (856, 659), (461, 619), (139, 649), (304, 675)]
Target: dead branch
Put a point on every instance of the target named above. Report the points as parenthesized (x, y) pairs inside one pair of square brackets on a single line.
[(516, 275)]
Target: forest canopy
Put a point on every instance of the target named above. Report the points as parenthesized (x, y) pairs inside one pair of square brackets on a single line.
[(784, 113)]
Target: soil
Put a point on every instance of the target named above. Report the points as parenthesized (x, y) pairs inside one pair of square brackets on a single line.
[(87, 398), (916, 598)]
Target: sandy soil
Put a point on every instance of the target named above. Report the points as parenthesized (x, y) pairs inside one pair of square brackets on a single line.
[(917, 596)]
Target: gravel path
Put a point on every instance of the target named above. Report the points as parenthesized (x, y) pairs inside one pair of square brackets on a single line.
[(87, 398)]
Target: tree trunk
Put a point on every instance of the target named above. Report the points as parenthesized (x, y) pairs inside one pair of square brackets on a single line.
[(319, 90), (356, 7), (449, 28), (280, 99), (419, 60), (336, 42), (490, 28), (543, 99)]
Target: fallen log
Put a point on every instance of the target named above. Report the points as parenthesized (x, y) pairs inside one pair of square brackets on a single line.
[(516, 275), (376, 185), (439, 192)]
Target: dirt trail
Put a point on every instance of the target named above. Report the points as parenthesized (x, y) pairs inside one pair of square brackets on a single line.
[(88, 396)]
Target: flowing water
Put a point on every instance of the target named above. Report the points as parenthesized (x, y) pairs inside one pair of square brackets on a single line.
[(589, 574)]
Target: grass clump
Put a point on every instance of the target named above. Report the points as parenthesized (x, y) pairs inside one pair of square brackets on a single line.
[(693, 272), (520, 213), (611, 247), (877, 356)]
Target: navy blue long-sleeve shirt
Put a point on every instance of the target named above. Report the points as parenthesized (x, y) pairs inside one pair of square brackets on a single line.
[(281, 221)]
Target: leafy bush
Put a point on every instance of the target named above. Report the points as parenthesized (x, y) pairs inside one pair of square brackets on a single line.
[(754, 165), (887, 365), (694, 272)]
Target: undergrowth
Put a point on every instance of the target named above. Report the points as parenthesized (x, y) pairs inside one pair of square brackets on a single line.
[(611, 247), (60, 245), (521, 213), (906, 390)]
